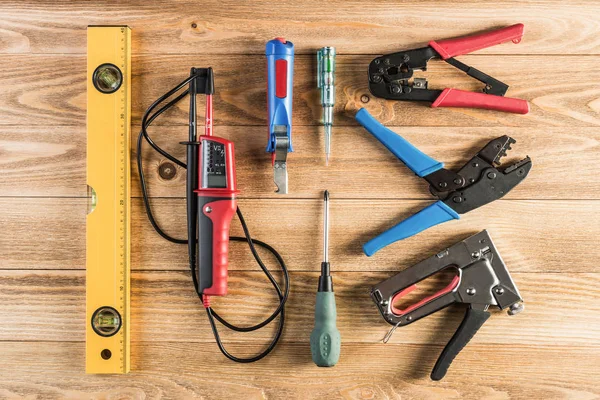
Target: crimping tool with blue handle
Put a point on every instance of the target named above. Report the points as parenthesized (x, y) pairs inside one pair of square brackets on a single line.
[(477, 183)]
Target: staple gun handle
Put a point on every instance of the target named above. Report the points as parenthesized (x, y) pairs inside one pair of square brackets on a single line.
[(471, 323), (420, 163), (431, 215)]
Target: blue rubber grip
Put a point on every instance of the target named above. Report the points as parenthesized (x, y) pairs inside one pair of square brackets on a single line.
[(431, 215), (419, 162), (279, 107)]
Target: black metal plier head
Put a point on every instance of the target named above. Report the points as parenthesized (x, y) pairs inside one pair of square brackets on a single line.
[(389, 75)]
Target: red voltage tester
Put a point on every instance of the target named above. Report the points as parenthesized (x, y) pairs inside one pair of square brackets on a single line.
[(216, 204), (212, 201), (211, 197)]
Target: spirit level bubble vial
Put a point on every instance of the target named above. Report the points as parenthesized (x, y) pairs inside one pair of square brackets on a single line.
[(108, 179)]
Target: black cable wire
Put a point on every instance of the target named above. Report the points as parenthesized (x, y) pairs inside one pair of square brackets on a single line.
[(144, 134), (147, 120)]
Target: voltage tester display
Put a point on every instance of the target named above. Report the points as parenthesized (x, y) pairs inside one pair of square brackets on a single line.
[(213, 165)]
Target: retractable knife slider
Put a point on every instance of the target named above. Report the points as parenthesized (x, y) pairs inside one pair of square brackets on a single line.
[(477, 183), (481, 280), (389, 75)]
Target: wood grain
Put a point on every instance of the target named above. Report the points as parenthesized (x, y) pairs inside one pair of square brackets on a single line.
[(533, 236), (367, 371), (55, 95), (226, 27), (164, 307), (50, 161), (361, 167), (545, 229)]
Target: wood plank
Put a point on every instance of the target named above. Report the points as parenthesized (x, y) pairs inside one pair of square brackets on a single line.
[(50, 305), (366, 371), (40, 233), (43, 161), (361, 167), (211, 28), (56, 94), (550, 225), (50, 161), (532, 236)]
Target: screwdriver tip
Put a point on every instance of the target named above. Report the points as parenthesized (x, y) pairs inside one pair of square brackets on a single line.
[(326, 195)]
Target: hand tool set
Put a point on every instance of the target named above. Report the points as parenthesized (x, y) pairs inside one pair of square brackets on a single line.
[(480, 277), (389, 75)]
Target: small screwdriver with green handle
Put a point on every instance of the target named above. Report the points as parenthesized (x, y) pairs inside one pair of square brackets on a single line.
[(325, 338)]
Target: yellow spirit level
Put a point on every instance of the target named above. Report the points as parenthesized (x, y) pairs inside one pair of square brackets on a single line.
[(108, 219)]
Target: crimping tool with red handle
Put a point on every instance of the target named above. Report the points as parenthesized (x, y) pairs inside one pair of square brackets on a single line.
[(389, 75)]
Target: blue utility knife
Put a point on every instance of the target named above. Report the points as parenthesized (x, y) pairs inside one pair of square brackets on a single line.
[(280, 81)]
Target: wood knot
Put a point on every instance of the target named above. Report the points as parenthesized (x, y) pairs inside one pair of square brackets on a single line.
[(167, 171)]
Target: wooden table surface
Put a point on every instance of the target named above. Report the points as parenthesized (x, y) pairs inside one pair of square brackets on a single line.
[(546, 229)]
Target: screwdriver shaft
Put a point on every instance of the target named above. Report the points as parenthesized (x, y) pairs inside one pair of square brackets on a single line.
[(326, 227)]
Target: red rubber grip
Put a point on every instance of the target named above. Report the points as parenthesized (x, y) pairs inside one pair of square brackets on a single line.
[(467, 44), (221, 214), (281, 69), (397, 311), (461, 98)]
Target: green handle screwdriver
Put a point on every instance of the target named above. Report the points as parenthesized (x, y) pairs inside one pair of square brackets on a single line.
[(325, 338)]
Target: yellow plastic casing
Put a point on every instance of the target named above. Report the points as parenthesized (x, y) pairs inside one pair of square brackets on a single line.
[(108, 179)]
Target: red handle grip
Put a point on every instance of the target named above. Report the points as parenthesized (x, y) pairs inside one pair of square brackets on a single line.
[(221, 213), (467, 44), (461, 98)]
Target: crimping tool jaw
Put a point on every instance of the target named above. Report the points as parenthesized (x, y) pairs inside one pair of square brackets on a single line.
[(482, 280), (485, 182), (391, 75)]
